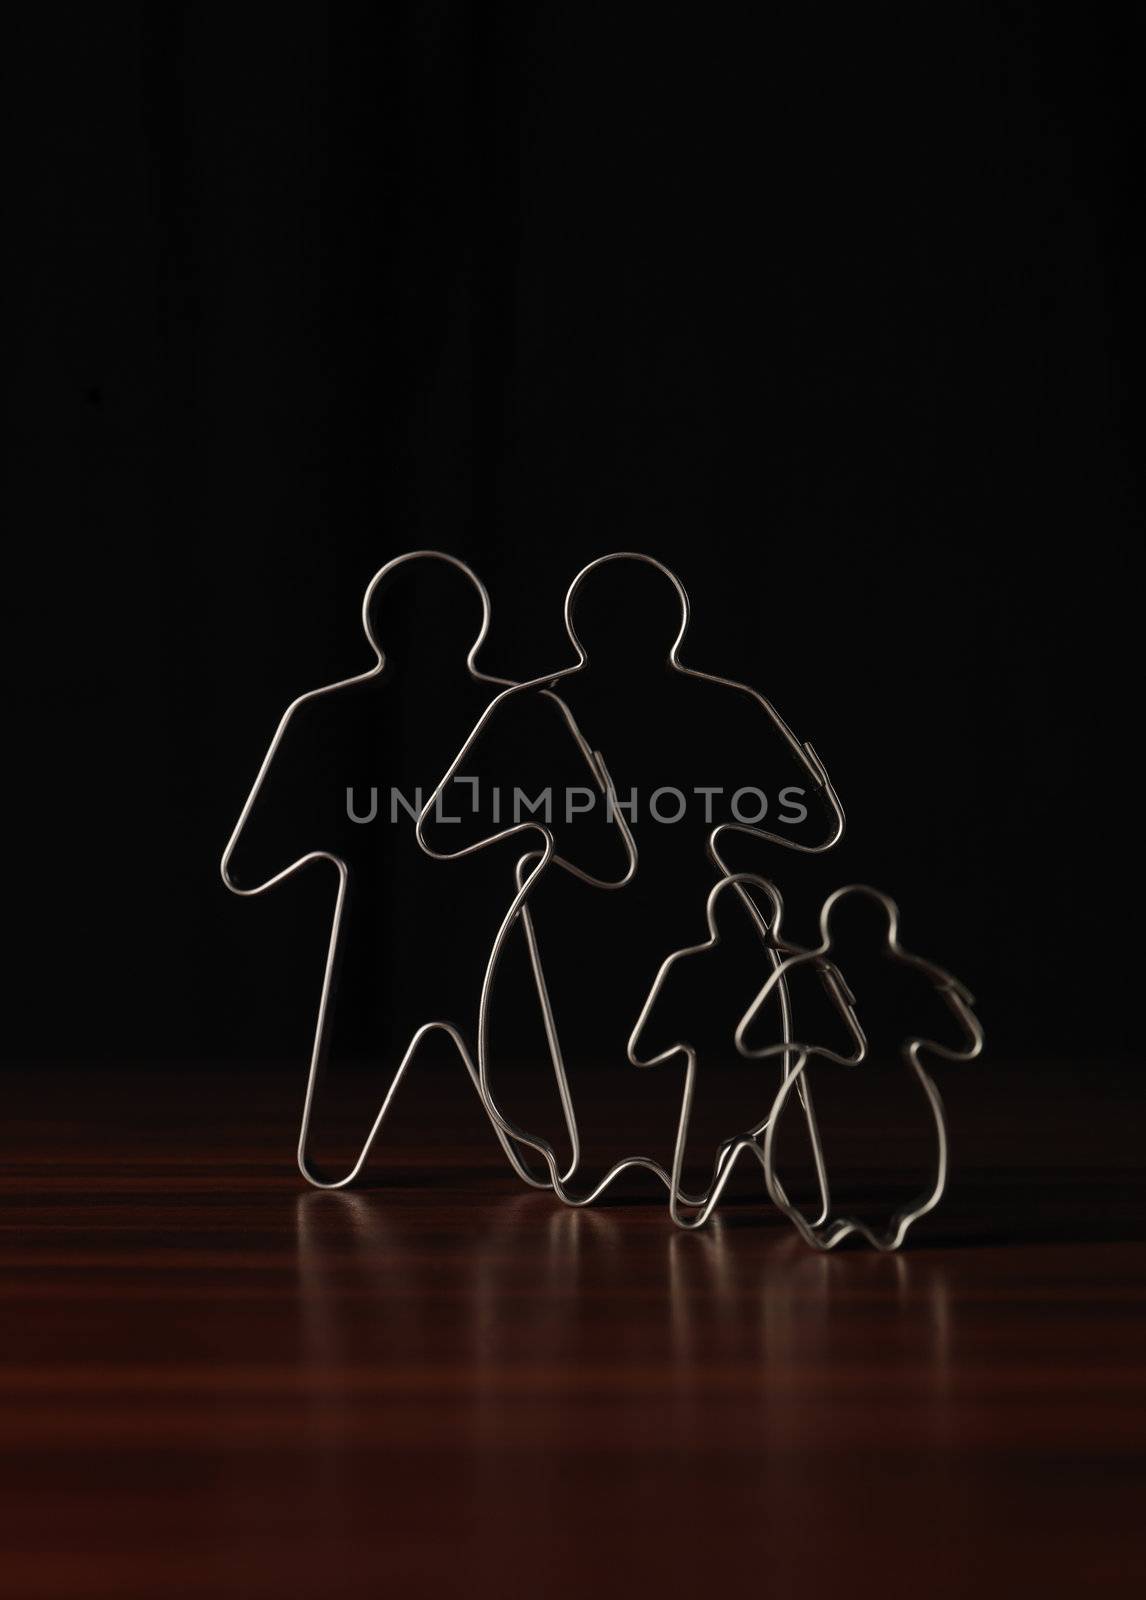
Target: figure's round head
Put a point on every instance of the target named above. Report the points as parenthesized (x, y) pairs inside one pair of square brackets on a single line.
[(859, 911), (627, 608), (426, 609), (727, 902)]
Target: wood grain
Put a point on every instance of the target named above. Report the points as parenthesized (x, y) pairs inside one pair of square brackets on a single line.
[(215, 1382)]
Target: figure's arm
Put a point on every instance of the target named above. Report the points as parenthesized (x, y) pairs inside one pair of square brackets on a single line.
[(811, 792), (965, 1040), (647, 1048), (251, 862), (527, 768), (465, 811), (751, 1035)]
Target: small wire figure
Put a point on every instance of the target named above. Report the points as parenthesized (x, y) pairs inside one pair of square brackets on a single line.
[(831, 1232), (792, 1054)]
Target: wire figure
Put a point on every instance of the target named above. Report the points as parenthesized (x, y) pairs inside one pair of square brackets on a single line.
[(827, 1234), (758, 895), (534, 865), (453, 1029), (792, 1054)]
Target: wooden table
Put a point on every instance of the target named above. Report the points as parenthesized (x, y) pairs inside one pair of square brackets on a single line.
[(216, 1382)]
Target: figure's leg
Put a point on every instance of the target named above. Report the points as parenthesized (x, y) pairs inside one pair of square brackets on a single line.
[(557, 1060), (529, 869), (320, 1050), (788, 1066), (730, 1153), (826, 1235), (322, 1181), (629, 1163)]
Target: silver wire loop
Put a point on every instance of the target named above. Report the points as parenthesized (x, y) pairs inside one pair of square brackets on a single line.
[(825, 1235), (322, 1022), (759, 896), (548, 855)]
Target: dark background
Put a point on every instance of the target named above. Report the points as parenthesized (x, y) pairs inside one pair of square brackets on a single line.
[(840, 315)]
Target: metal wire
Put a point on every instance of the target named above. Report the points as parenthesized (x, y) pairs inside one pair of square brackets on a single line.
[(322, 1023), (534, 863), (823, 1231), (825, 1234), (792, 1055)]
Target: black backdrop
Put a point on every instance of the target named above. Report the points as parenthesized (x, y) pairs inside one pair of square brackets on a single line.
[(841, 316)]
